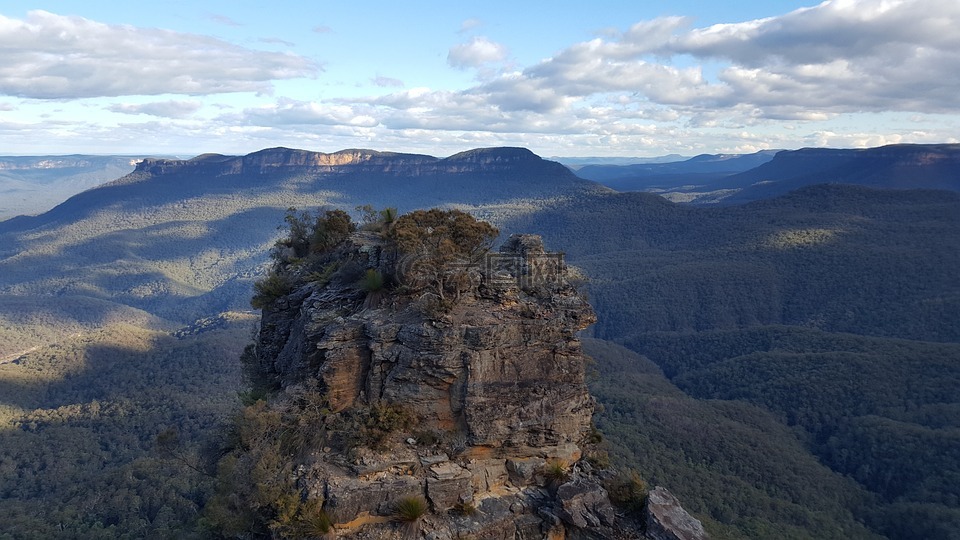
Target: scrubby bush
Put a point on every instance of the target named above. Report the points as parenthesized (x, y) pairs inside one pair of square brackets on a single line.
[(409, 509), (628, 490), (440, 247), (372, 281), (556, 472), (268, 289)]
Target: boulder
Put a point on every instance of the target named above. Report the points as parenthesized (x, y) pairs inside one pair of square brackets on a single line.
[(667, 520)]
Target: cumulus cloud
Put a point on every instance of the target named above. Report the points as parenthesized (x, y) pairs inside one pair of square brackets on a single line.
[(839, 56), (662, 85), (165, 109), (651, 80), (477, 52), (49, 56), (294, 112)]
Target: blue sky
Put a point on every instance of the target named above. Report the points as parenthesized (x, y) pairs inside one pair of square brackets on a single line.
[(602, 78)]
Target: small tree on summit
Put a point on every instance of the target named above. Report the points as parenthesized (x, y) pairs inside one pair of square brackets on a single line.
[(439, 246), (309, 234)]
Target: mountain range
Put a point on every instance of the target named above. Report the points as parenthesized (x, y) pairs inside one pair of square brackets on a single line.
[(781, 319), (30, 185), (736, 179)]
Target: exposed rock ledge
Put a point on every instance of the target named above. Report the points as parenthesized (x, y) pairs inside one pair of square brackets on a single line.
[(496, 387)]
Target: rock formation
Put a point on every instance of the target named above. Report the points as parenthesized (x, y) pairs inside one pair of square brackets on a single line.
[(478, 407), (280, 160), (667, 520)]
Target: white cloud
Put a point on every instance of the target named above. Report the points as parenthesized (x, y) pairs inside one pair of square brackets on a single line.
[(659, 86), (477, 52), (48, 56), (4, 106), (287, 112), (842, 56), (166, 109)]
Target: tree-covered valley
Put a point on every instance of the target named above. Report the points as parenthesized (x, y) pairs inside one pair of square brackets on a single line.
[(788, 367)]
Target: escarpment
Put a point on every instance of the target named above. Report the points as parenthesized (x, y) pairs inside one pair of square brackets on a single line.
[(423, 385), (503, 367)]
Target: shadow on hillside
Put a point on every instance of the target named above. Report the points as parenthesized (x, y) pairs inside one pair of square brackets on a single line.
[(839, 258), (159, 267), (85, 459)]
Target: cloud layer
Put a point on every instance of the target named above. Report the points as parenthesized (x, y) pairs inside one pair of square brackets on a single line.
[(660, 83), (841, 56), (50, 56)]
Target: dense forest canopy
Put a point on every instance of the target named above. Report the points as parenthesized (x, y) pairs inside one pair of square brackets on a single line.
[(834, 309), (790, 365)]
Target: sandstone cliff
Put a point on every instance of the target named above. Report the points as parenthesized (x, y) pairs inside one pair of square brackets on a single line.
[(477, 408), (353, 161)]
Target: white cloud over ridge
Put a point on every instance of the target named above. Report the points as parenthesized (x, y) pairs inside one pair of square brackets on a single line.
[(50, 56), (663, 84), (477, 52), (810, 65), (165, 109)]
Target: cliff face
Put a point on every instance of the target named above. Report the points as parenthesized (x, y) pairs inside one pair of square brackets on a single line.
[(287, 160), (494, 389)]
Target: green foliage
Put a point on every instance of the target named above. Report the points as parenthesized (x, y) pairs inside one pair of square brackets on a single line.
[(259, 383), (409, 509), (388, 216), (323, 276), (439, 247), (766, 307), (268, 289), (329, 229), (372, 219), (310, 522), (309, 235), (373, 426), (113, 433), (628, 490), (837, 258), (372, 281), (256, 490), (894, 438), (733, 465), (299, 232), (556, 472)]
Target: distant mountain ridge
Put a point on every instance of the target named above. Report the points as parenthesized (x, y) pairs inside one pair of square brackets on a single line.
[(900, 166), (348, 161), (703, 163), (477, 176), (736, 179), (32, 184), (180, 238)]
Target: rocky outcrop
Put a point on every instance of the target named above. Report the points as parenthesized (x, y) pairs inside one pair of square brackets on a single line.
[(667, 520), (503, 368), (492, 386)]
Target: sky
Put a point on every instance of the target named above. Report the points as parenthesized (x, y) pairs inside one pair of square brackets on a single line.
[(564, 78)]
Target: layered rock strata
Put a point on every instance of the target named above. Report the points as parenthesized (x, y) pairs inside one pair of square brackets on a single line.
[(494, 386)]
